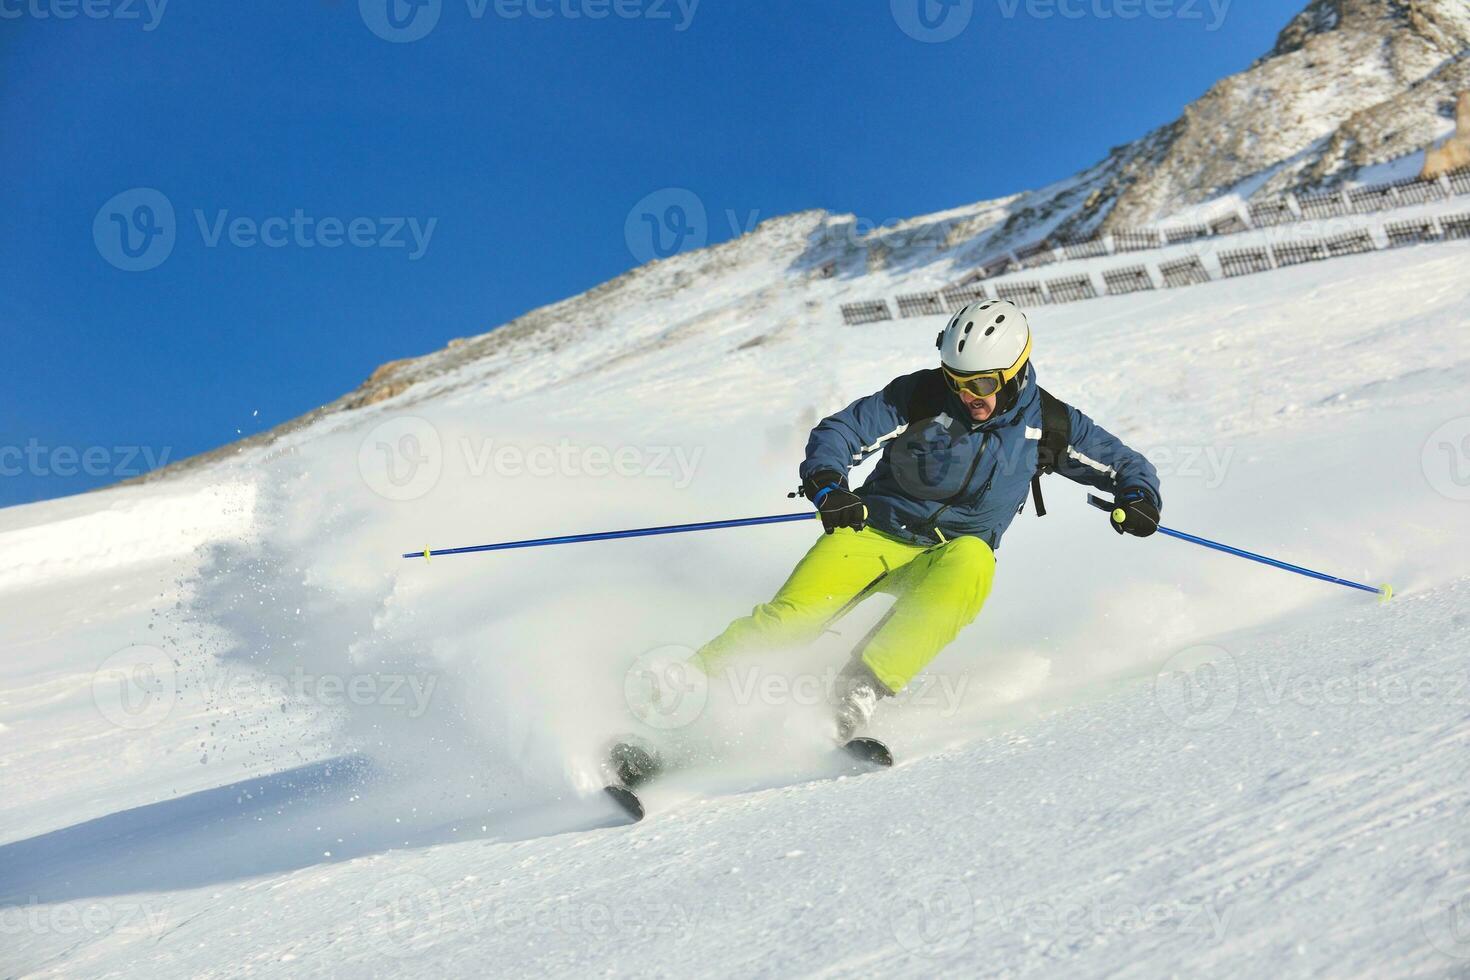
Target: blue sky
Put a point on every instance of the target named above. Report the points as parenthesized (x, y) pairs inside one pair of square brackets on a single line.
[(352, 184)]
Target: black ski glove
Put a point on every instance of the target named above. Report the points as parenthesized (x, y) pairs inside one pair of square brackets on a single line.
[(1139, 515), (837, 505)]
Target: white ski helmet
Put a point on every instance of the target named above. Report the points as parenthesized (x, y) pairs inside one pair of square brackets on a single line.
[(987, 336)]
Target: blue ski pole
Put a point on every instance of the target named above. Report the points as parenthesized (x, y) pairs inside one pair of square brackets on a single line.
[(637, 532), (1386, 591)]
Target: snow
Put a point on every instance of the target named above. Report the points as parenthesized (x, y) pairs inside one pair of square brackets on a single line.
[(240, 735)]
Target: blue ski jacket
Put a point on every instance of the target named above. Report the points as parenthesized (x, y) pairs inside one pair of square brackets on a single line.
[(947, 475)]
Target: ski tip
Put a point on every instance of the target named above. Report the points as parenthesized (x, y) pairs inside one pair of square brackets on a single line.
[(627, 801), (869, 750), (1385, 592)]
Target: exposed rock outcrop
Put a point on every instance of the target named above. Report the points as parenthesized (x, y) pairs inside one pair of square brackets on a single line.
[(1349, 83), (1453, 153)]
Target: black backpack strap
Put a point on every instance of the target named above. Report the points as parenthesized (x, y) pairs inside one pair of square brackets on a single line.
[(930, 396), (1056, 437)]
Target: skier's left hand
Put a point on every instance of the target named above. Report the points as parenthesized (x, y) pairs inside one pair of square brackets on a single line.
[(1139, 515)]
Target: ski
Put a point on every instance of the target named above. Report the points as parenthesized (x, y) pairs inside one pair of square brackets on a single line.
[(633, 765), (627, 800), (870, 751)]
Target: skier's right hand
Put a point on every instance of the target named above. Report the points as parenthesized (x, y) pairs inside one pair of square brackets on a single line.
[(836, 505)]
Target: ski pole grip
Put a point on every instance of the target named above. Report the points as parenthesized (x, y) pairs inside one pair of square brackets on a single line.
[(1118, 515)]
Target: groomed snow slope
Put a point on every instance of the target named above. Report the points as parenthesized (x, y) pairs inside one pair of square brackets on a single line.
[(1143, 759)]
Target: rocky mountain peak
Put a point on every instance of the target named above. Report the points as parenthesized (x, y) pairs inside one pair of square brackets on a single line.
[(1348, 84), (1319, 17)]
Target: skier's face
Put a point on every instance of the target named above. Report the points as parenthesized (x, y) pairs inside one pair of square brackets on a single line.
[(980, 408)]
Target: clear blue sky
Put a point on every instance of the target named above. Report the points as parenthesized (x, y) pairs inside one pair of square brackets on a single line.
[(528, 138)]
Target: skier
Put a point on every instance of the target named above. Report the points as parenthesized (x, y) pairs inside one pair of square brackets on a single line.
[(961, 443)]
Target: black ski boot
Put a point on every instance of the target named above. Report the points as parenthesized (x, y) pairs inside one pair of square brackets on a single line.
[(634, 762)]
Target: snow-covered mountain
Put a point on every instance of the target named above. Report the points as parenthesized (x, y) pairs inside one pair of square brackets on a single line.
[(239, 734), (1349, 84)]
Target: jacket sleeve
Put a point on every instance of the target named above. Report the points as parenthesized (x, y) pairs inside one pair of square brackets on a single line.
[(845, 439), (1097, 458)]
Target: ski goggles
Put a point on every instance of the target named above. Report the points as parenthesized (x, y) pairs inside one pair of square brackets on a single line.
[(982, 385)]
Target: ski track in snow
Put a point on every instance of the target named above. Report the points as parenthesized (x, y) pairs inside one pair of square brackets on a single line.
[(1151, 759)]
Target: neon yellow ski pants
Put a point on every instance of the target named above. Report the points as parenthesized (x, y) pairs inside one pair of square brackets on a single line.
[(939, 591)]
